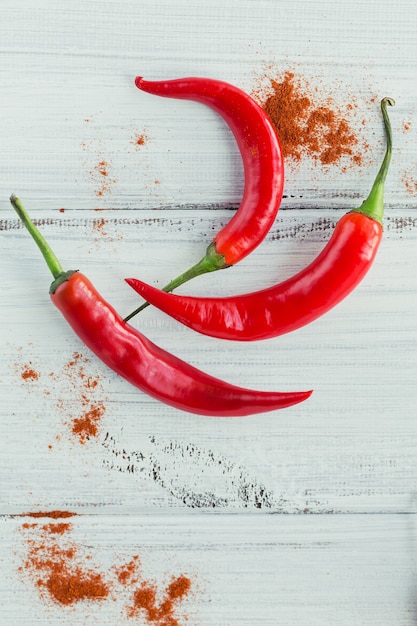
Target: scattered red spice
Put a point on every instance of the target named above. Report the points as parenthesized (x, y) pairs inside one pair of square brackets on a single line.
[(128, 573), (64, 573), (145, 599), (75, 359), (162, 614), (139, 140), (406, 126), (101, 177), (86, 425), (52, 514), (58, 529), (410, 182), (87, 407), (306, 128), (29, 373), (62, 210), (99, 225), (98, 166), (102, 168), (58, 570)]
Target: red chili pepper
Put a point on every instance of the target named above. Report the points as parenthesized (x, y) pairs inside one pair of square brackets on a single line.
[(134, 357), (263, 170), (302, 298)]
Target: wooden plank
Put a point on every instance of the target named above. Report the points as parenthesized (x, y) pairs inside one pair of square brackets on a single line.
[(243, 570), (58, 139)]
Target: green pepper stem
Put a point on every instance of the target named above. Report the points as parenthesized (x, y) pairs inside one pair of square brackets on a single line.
[(47, 252), (373, 206), (211, 262)]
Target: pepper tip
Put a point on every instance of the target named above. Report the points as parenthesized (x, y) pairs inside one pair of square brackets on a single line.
[(138, 81)]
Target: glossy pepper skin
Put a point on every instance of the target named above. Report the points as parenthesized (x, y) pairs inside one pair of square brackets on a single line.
[(134, 357), (295, 302), (285, 307), (262, 162), (150, 368)]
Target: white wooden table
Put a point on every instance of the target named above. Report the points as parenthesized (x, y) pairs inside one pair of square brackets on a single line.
[(299, 517)]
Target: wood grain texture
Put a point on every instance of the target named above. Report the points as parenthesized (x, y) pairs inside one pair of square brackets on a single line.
[(256, 569), (305, 516)]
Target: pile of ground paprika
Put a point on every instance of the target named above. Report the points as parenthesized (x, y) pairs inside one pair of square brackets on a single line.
[(306, 129)]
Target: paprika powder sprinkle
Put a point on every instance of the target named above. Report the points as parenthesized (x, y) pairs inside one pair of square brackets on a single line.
[(145, 600), (87, 426), (58, 529), (128, 573), (84, 414), (140, 140), (100, 175), (57, 565), (410, 182), (29, 373), (52, 514), (305, 129)]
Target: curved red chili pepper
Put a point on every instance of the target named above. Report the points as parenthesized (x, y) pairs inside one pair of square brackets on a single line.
[(134, 357), (263, 169), (302, 298)]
